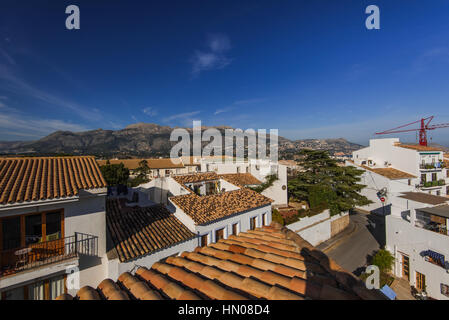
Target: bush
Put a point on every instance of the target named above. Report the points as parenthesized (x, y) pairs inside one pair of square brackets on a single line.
[(276, 217), (384, 260)]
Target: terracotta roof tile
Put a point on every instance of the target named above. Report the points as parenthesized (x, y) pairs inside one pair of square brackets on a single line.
[(417, 147), (133, 164), (43, 178), (240, 179), (205, 209), (197, 177), (136, 232), (226, 270)]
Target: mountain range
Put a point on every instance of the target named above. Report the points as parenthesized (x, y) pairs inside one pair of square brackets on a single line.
[(143, 140)]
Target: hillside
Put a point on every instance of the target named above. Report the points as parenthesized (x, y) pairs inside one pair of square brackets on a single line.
[(142, 139)]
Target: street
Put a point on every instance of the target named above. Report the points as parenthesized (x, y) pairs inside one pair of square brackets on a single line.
[(351, 248)]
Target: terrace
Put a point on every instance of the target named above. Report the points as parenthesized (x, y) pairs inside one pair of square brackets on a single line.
[(433, 219), (41, 253)]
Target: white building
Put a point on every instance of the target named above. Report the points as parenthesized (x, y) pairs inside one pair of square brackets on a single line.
[(417, 235), (52, 223), (391, 168), (202, 209), (260, 169)]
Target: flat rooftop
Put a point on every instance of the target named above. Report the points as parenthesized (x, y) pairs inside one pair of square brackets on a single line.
[(441, 211), (424, 198)]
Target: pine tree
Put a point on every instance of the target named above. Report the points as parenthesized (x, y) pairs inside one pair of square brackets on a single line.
[(324, 184)]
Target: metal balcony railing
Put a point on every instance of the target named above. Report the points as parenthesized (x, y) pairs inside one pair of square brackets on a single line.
[(47, 252), (431, 184), (432, 166)]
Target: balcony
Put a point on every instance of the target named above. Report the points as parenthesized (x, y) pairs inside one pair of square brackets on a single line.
[(432, 184), (48, 252), (432, 166)]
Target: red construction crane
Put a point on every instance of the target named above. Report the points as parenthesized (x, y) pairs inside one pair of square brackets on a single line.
[(422, 130)]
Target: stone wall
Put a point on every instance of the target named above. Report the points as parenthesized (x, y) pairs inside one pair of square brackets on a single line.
[(339, 224)]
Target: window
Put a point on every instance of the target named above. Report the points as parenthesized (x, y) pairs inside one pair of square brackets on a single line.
[(264, 219), (420, 281), (438, 192), (47, 289), (234, 229), (445, 289), (53, 226), (423, 178), (204, 240), (409, 182), (252, 223), (219, 234), (238, 169), (434, 176), (11, 233), (167, 172), (33, 229)]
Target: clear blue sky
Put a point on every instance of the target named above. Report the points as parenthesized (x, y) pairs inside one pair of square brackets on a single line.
[(308, 68)]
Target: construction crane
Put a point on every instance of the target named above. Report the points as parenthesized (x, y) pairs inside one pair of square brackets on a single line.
[(422, 130)]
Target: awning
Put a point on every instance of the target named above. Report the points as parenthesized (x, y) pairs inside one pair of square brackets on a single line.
[(388, 292), (434, 255)]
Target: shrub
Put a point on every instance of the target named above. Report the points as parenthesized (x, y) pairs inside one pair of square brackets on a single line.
[(384, 260), (276, 217)]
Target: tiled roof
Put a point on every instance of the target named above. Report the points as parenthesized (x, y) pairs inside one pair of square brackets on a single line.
[(133, 164), (205, 209), (197, 177), (417, 147), (424, 198), (136, 232), (391, 173), (270, 263), (32, 179), (240, 179)]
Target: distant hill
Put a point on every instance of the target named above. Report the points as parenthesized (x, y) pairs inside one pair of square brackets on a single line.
[(143, 139)]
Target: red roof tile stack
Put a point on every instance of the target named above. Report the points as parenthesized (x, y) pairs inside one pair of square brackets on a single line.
[(140, 231), (42, 178), (240, 179), (268, 263), (205, 209)]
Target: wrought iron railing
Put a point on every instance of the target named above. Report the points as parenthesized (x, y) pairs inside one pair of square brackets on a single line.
[(47, 252)]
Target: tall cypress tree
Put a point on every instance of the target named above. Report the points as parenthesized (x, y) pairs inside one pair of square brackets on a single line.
[(322, 183)]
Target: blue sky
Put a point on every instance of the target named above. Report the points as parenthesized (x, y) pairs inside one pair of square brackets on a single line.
[(308, 68)]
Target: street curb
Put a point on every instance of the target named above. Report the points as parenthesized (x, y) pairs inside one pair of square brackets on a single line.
[(340, 240)]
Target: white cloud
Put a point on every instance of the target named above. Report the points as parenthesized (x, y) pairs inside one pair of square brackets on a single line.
[(215, 57), (150, 111), (238, 103), (183, 118)]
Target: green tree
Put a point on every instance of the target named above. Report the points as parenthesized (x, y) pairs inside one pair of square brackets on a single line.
[(115, 174), (324, 184), (384, 260)]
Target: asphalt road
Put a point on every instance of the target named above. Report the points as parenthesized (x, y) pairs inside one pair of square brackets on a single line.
[(365, 234)]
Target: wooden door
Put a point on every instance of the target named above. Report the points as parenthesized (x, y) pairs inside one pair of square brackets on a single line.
[(234, 229), (219, 234), (252, 223), (405, 267), (204, 240)]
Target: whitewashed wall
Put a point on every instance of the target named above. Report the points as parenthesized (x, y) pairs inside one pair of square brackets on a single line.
[(403, 237), (315, 229)]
